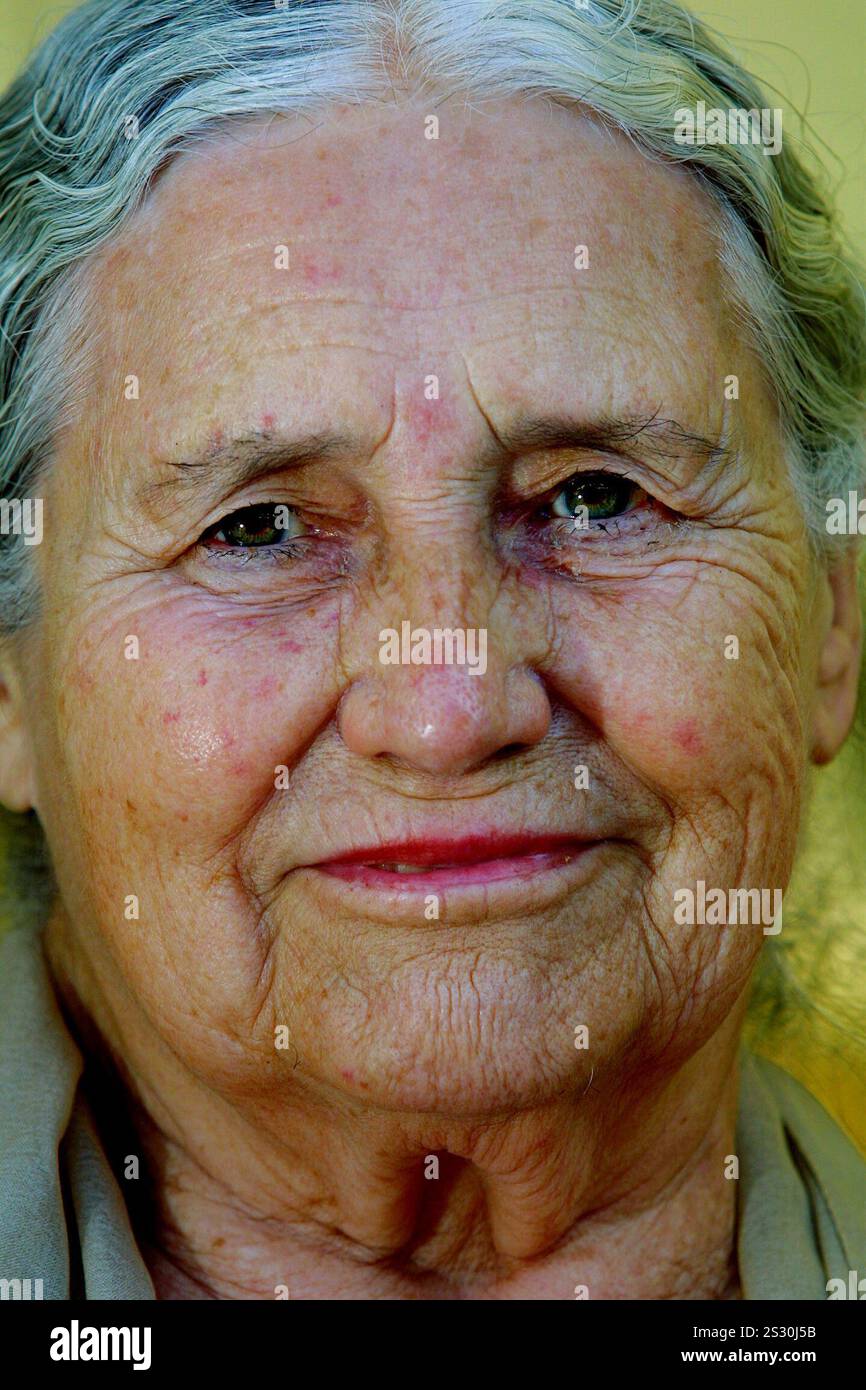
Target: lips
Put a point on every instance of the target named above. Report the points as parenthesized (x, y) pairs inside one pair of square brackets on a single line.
[(425, 865)]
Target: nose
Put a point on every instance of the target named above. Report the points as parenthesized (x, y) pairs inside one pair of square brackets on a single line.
[(444, 720), (447, 699)]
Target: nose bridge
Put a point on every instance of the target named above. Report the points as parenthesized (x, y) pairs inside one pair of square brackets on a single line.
[(445, 574), (442, 681), (437, 679)]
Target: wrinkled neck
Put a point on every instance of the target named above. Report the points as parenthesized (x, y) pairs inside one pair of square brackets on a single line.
[(621, 1190)]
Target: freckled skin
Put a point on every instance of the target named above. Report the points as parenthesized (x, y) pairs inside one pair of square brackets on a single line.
[(460, 1033)]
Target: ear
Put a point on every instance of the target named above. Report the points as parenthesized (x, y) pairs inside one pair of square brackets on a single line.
[(839, 660), (17, 782)]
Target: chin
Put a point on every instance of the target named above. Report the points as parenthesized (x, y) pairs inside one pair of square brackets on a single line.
[(415, 1060)]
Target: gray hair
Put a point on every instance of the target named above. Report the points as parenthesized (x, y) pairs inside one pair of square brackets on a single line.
[(122, 86)]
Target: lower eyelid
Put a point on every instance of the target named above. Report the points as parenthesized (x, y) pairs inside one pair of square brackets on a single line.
[(289, 549)]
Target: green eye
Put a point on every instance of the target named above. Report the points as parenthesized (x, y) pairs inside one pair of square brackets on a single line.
[(256, 527), (595, 497)]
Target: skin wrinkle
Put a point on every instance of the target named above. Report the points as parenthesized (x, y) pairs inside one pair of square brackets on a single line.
[(409, 1037)]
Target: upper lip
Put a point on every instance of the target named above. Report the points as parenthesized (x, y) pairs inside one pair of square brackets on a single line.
[(468, 849)]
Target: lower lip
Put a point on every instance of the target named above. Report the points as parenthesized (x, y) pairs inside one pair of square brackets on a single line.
[(515, 866)]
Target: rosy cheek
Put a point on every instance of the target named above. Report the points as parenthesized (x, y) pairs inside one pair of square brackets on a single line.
[(237, 727), (674, 750), (211, 758), (677, 740), (688, 737)]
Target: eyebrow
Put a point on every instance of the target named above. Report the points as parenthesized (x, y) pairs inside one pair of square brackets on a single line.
[(231, 465), (653, 435)]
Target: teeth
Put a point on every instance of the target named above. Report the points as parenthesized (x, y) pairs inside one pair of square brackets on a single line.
[(405, 868)]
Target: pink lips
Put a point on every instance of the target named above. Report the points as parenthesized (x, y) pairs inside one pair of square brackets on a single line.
[(425, 866)]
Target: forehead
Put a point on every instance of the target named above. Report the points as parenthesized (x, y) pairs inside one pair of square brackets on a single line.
[(318, 259)]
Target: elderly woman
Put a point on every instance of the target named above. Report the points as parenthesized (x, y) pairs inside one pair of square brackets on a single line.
[(417, 683)]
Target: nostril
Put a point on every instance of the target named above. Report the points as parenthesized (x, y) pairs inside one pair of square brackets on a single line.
[(510, 750)]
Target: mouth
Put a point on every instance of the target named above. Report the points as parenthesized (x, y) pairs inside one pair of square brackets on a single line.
[(424, 866)]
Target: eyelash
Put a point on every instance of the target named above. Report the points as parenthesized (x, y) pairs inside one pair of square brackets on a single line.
[(295, 549)]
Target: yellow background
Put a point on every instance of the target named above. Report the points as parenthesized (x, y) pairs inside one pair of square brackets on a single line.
[(814, 55)]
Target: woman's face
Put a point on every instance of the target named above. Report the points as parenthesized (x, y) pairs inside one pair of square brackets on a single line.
[(397, 339)]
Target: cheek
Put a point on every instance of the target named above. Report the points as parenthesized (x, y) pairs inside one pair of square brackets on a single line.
[(200, 721), (689, 710)]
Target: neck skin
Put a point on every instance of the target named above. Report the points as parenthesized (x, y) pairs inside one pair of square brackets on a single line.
[(619, 1191)]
